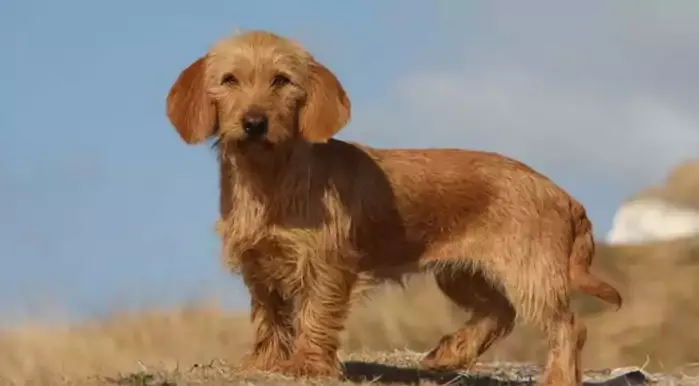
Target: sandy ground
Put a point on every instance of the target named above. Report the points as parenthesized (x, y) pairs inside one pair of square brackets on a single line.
[(656, 330)]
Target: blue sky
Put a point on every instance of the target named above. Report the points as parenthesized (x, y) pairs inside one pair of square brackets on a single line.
[(102, 206)]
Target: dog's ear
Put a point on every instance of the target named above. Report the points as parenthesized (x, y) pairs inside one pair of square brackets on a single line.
[(327, 107), (189, 108)]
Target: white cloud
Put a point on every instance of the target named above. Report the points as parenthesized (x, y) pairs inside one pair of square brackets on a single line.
[(512, 111), (589, 87)]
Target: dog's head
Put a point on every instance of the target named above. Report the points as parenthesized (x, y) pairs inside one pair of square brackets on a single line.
[(257, 88)]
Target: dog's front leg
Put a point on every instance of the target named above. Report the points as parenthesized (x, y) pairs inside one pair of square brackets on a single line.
[(271, 313), (324, 303)]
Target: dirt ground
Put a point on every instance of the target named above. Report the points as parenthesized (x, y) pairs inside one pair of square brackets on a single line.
[(395, 368), (656, 329)]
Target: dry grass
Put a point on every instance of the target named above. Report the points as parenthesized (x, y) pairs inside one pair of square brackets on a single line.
[(681, 187), (656, 327)]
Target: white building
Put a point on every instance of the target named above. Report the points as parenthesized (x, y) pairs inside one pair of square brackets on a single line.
[(661, 213)]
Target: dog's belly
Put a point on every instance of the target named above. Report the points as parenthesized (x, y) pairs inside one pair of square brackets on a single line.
[(273, 260), (393, 254)]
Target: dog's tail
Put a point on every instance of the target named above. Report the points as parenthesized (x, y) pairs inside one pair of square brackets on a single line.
[(581, 258)]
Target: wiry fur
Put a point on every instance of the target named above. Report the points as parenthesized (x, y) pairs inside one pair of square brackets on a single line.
[(307, 218)]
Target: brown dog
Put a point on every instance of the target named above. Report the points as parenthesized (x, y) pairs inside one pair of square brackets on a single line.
[(310, 217)]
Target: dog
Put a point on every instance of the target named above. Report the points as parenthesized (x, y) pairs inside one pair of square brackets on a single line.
[(307, 218)]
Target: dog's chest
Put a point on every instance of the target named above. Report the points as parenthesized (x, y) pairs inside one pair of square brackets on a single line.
[(258, 230), (280, 257)]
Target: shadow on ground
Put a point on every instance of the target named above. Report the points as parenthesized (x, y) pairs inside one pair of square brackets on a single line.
[(386, 374)]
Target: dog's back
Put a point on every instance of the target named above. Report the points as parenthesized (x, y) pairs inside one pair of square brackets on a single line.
[(416, 209)]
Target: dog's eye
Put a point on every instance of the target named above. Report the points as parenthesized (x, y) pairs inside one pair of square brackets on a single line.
[(280, 80), (229, 79)]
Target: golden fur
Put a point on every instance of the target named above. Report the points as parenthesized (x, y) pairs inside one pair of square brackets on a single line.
[(307, 218)]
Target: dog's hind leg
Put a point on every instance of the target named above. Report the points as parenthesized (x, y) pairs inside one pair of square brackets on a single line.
[(492, 318), (566, 336)]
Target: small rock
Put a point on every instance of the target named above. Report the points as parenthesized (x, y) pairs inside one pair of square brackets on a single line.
[(624, 376)]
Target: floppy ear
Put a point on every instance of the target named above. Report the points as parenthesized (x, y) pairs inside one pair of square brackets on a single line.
[(189, 108), (327, 108)]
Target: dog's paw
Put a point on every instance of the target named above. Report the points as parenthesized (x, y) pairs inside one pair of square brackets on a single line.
[(440, 359)]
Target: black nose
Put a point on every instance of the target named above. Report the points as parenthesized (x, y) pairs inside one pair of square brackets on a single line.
[(255, 124)]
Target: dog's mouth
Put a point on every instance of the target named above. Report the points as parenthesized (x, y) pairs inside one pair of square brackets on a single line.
[(244, 142), (254, 143), (254, 138)]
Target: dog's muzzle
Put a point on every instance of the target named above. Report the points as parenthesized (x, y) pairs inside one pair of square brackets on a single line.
[(255, 125)]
